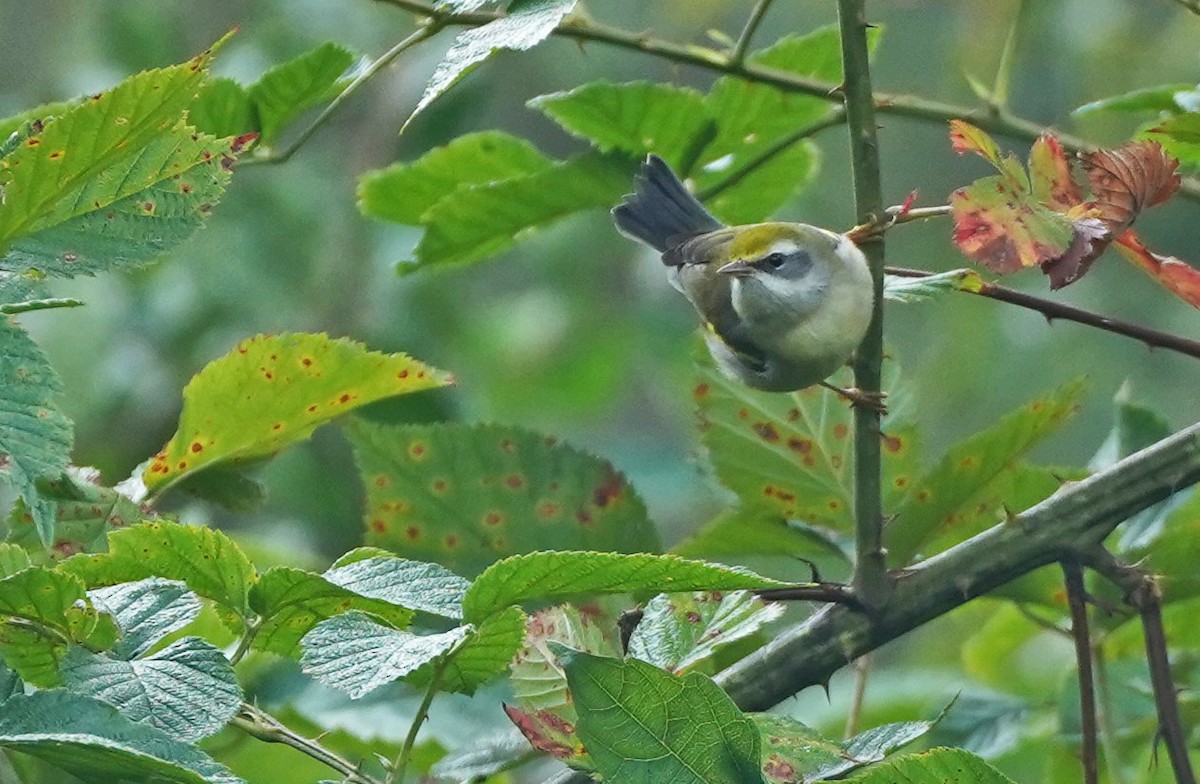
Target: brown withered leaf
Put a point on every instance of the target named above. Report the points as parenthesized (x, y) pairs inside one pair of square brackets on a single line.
[(1176, 275), (1129, 179), (1090, 240)]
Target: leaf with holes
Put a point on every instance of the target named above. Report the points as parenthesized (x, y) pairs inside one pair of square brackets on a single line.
[(477, 221), (637, 117), (34, 432), (938, 766), (953, 492), (41, 611), (465, 496), (84, 513), (551, 575), (208, 561), (405, 192), (146, 611), (91, 739), (274, 391), (290, 602), (143, 182), (794, 753), (526, 24), (289, 88), (680, 631), (357, 655), (639, 723), (187, 689), (376, 573)]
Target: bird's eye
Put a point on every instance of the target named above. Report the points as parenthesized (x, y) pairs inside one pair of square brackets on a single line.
[(775, 260)]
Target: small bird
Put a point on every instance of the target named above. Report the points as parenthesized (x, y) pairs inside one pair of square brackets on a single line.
[(784, 305)]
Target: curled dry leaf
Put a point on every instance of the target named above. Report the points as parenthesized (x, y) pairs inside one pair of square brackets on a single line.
[(1129, 179)]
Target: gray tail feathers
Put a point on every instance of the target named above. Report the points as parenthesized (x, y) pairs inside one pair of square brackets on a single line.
[(661, 212)]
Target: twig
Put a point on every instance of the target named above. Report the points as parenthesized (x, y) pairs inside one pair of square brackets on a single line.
[(985, 117), (870, 570), (1077, 602), (738, 55), (1107, 731), (862, 669), (428, 30), (835, 117), (262, 725), (1144, 592), (1056, 310), (247, 639), (396, 775), (831, 593)]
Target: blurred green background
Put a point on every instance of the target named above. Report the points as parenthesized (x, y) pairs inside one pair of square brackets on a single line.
[(576, 332)]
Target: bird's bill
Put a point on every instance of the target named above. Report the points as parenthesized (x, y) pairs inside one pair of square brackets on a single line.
[(737, 268)]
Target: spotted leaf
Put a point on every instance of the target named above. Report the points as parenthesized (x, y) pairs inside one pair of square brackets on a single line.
[(274, 391)]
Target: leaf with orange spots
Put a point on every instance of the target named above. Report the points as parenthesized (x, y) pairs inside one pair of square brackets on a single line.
[(679, 631), (970, 484), (84, 512), (551, 734), (553, 575), (465, 496), (537, 678), (793, 752), (274, 391), (116, 179)]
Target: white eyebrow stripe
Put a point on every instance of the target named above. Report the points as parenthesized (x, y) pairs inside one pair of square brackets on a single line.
[(785, 246)]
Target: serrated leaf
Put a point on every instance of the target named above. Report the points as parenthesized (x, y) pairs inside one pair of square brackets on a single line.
[(290, 602), (738, 532), (1180, 136), (12, 559), (965, 476), (34, 432), (92, 740), (413, 584), (474, 222), (274, 391), (84, 513), (1146, 99), (41, 610), (187, 689), (465, 496), (18, 123), (208, 561), (793, 752), (636, 117), (404, 192), (551, 575), (679, 631), (222, 107), (526, 24), (537, 678), (640, 724), (291, 87), (146, 611), (908, 290), (485, 653), (355, 654), (938, 766)]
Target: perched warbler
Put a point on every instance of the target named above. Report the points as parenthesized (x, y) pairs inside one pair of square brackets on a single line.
[(784, 304)]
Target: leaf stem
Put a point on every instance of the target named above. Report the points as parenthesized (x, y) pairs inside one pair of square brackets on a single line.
[(396, 775), (1077, 602), (1056, 310), (247, 639), (870, 578), (259, 724), (738, 55), (426, 31)]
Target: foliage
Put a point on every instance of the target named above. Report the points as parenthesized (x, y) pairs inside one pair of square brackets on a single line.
[(503, 564)]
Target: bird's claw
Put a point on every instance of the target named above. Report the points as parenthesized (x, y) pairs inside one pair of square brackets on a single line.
[(861, 398)]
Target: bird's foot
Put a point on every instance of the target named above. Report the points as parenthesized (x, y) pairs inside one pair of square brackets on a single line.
[(860, 398)]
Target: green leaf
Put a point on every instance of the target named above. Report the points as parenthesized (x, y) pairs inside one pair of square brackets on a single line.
[(208, 561), (485, 653), (404, 192), (938, 766), (1173, 551), (84, 512), (967, 475), (526, 24), (34, 433), (12, 559), (908, 290), (474, 222), (551, 575), (1179, 136), (1145, 99), (640, 724), (738, 532), (291, 87), (465, 496), (793, 752), (41, 610), (10, 684), (638, 117), (222, 108), (413, 584), (142, 182), (274, 391), (290, 602), (355, 654), (187, 689), (679, 631), (21, 122), (483, 758), (92, 740), (146, 611)]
